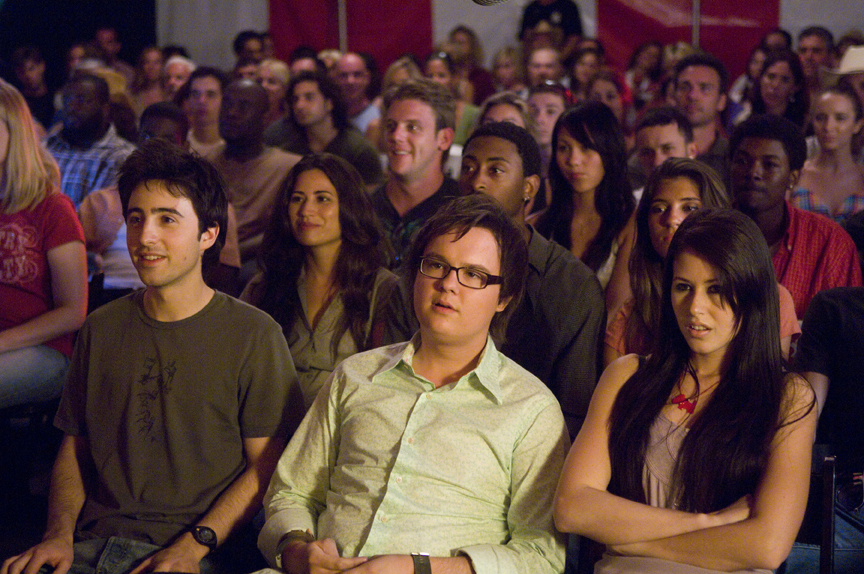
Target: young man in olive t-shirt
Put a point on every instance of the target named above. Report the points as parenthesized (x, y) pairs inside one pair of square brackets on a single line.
[(179, 398)]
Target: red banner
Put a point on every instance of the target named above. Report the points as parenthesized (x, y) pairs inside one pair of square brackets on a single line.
[(729, 29), (384, 29)]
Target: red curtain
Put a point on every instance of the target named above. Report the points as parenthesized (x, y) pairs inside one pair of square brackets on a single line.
[(384, 29), (729, 28)]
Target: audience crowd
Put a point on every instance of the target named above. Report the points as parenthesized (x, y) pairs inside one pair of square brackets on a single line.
[(380, 304)]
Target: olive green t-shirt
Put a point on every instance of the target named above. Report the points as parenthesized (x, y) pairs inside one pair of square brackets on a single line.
[(165, 408)]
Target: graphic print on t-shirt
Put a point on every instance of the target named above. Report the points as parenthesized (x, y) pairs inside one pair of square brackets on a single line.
[(16, 240), (153, 382)]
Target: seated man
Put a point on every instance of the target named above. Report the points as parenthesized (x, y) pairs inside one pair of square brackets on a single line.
[(101, 215), (316, 123), (810, 252), (87, 149), (253, 172), (438, 447), (661, 133), (830, 357), (701, 81), (419, 116), (555, 339), (166, 455), (354, 78)]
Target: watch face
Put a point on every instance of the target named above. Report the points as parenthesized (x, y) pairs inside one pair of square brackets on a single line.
[(205, 535)]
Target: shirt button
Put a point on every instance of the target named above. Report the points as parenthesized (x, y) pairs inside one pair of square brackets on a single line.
[(398, 480), (383, 519), (411, 440)]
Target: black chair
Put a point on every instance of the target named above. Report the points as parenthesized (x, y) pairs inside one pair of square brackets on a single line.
[(28, 446)]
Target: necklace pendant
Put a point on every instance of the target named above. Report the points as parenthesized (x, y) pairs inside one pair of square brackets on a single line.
[(684, 404)]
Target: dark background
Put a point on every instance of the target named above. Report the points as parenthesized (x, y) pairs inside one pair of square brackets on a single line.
[(53, 25)]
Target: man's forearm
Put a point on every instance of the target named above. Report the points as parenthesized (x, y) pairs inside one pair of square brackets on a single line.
[(67, 492), (451, 565), (241, 500)]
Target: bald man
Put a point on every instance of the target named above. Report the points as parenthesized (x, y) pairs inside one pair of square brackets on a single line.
[(354, 78), (253, 172)]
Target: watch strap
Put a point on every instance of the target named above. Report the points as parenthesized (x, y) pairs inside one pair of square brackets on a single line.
[(421, 563)]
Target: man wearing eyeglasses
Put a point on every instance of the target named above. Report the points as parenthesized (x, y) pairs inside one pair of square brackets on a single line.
[(436, 455)]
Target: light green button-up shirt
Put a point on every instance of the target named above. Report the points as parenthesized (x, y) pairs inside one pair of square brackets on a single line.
[(385, 463)]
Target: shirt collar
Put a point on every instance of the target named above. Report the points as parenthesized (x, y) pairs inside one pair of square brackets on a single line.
[(486, 373)]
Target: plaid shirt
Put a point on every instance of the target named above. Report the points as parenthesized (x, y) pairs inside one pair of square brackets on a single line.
[(83, 171), (814, 254), (804, 199)]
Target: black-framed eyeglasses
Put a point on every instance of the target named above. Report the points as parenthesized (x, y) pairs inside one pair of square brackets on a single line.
[(467, 276)]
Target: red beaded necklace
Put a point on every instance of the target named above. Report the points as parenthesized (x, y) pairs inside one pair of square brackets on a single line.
[(689, 404)]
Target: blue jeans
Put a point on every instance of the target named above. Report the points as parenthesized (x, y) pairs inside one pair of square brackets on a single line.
[(848, 550), (117, 555), (31, 375)]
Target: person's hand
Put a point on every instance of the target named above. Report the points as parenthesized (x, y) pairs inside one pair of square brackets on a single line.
[(735, 512), (318, 557), (386, 564), (56, 552), (182, 556)]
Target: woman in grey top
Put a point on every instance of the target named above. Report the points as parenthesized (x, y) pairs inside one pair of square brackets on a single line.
[(325, 279), (696, 459)]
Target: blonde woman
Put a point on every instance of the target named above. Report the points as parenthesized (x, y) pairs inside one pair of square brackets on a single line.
[(43, 268), (274, 76)]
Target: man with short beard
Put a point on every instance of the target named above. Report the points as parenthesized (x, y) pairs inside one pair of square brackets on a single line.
[(87, 149)]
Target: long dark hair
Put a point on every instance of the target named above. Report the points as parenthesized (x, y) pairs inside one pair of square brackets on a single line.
[(646, 265), (594, 126), (726, 448), (796, 110), (363, 251)]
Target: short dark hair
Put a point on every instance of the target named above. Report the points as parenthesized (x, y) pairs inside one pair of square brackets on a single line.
[(186, 174), (554, 88), (169, 111), (706, 60), (819, 32), (664, 116), (102, 91), (240, 40), (306, 52), (787, 37), (26, 54), (209, 72), (771, 127), (328, 89), (461, 215), (525, 143)]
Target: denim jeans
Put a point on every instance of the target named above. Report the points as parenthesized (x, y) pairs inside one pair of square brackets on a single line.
[(30, 375), (111, 556), (117, 555), (848, 549)]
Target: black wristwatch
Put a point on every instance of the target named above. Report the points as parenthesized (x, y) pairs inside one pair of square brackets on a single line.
[(421, 563), (204, 536)]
